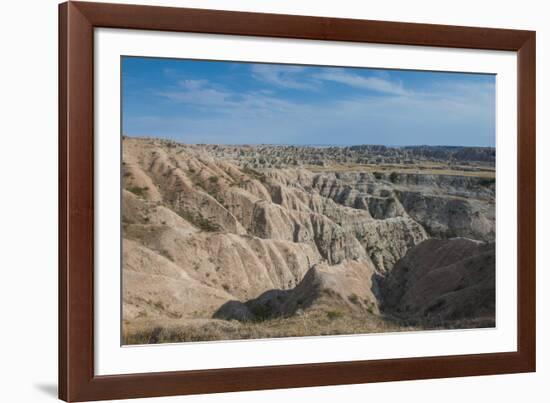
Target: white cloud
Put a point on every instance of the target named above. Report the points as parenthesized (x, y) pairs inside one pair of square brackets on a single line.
[(372, 83), (397, 120), (197, 96), (447, 112), (282, 76), (461, 92), (200, 93), (193, 84)]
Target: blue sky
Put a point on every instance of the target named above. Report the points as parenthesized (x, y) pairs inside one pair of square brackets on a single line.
[(249, 103)]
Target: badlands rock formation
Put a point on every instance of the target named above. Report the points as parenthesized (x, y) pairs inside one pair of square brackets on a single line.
[(441, 281), (225, 242)]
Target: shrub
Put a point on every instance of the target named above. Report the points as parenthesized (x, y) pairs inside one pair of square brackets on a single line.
[(486, 182), (199, 221), (334, 315), (254, 174), (354, 299), (261, 313), (138, 191), (166, 254)]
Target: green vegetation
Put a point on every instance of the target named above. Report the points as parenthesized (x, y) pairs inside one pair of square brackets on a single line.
[(166, 254), (334, 314), (199, 221), (486, 182), (159, 305), (354, 299), (254, 174), (211, 185), (370, 306), (138, 191), (260, 312)]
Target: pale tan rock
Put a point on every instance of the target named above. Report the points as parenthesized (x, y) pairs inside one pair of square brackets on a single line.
[(250, 232)]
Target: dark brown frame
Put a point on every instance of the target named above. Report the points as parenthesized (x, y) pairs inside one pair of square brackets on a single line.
[(77, 21)]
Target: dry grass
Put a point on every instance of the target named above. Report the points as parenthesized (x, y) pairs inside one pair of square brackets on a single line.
[(424, 169), (320, 323), (138, 191), (309, 323)]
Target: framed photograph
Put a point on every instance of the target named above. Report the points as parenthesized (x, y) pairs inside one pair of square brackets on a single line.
[(255, 201)]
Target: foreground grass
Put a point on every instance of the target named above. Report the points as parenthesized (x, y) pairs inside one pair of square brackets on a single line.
[(312, 323)]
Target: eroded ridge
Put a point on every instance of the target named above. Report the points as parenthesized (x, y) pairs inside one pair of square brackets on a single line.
[(229, 242)]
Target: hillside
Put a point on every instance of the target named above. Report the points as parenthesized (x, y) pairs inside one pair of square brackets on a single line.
[(224, 242)]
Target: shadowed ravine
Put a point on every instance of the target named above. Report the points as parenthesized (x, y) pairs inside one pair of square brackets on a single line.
[(427, 295)]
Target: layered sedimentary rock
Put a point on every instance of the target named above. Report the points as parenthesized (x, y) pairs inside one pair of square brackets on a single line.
[(254, 233)]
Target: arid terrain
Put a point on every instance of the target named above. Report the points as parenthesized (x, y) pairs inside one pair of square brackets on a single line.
[(235, 242)]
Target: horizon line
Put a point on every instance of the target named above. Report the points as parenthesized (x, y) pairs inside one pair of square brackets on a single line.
[(312, 145)]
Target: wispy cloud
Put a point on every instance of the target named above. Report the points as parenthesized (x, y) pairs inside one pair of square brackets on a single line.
[(193, 84), (459, 91), (429, 117), (296, 77), (216, 99), (373, 83), (282, 76), (262, 103), (195, 92)]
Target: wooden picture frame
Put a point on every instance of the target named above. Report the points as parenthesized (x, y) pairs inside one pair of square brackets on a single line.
[(77, 381)]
